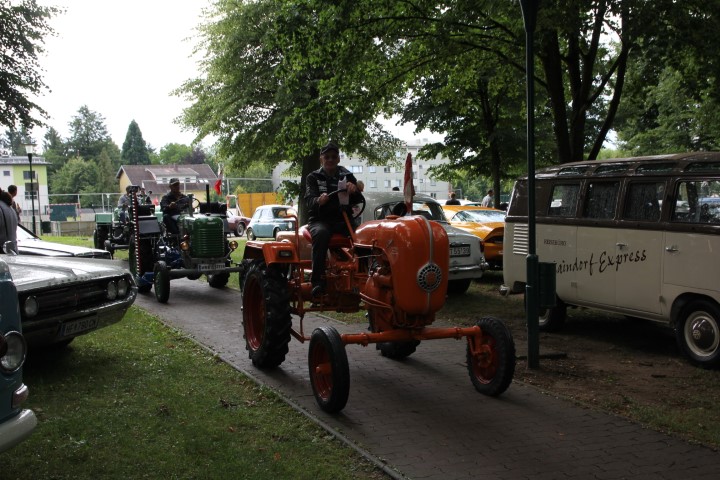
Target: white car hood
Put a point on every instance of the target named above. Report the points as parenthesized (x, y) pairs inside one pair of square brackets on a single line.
[(30, 271)]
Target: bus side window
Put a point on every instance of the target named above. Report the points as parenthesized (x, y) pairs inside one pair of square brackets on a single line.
[(601, 200), (643, 201), (563, 200)]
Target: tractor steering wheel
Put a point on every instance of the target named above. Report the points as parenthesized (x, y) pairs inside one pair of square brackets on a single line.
[(356, 211)]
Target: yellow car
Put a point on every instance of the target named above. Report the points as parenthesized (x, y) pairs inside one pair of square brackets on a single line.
[(486, 223)]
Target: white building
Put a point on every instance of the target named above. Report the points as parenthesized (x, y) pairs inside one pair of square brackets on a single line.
[(379, 178)]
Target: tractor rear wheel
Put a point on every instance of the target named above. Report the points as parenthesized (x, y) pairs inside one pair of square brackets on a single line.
[(492, 370), (161, 282), (218, 280), (329, 369), (266, 315)]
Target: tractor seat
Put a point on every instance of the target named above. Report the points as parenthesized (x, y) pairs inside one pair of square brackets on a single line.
[(337, 240)]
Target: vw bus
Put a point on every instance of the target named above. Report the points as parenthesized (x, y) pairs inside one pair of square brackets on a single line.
[(635, 236)]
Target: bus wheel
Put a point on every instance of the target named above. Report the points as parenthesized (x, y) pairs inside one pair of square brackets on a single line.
[(551, 319), (698, 333)]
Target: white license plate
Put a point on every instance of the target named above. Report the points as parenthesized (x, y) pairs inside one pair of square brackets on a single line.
[(77, 326), (460, 251), (204, 267)]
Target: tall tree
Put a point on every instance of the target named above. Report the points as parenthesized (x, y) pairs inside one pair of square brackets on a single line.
[(88, 134), (23, 25), (134, 149)]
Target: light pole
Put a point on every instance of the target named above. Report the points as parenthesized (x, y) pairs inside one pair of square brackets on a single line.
[(30, 149)]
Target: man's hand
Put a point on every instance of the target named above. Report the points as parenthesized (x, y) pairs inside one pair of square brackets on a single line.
[(323, 199)]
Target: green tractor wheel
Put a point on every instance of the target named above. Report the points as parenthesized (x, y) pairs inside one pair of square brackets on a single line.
[(161, 282)]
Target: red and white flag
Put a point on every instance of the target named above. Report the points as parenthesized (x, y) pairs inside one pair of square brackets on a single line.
[(218, 183), (408, 187)]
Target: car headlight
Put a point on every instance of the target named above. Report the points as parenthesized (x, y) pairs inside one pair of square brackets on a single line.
[(15, 355), (31, 306), (111, 291), (122, 287)]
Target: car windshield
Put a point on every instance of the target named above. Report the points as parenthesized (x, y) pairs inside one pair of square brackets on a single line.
[(429, 210), (480, 216)]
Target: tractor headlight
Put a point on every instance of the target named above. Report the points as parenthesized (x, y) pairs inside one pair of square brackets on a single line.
[(185, 246), (111, 291), (233, 245), (15, 355), (31, 306), (122, 287)]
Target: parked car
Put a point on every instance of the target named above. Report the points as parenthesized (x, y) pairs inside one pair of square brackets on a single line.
[(467, 261), (486, 223), (63, 297), (16, 423), (269, 220), (30, 244), (237, 222)]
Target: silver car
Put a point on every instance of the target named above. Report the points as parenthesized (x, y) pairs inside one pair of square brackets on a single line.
[(467, 261), (63, 297)]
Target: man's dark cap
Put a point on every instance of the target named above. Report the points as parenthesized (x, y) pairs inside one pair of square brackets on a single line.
[(330, 146), (174, 180)]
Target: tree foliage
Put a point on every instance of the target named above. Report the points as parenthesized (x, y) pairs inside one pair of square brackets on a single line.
[(134, 149), (23, 25)]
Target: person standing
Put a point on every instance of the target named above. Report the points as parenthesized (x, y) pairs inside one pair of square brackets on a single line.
[(12, 190), (325, 212), (488, 200), (8, 222), (452, 200)]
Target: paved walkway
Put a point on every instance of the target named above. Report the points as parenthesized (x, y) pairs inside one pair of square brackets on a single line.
[(423, 419)]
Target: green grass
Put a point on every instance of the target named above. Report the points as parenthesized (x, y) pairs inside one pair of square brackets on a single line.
[(139, 400)]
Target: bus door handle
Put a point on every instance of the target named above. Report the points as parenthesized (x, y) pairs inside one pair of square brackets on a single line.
[(621, 245), (672, 249)]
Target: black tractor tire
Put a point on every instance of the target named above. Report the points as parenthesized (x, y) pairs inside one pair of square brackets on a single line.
[(458, 287), (266, 315), (697, 332), (492, 374), (218, 280), (393, 350), (161, 282), (250, 234), (329, 369)]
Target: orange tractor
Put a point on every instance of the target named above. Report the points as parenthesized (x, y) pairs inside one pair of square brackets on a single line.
[(396, 269)]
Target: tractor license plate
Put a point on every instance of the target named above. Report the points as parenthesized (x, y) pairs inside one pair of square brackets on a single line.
[(460, 251), (205, 267), (77, 326)]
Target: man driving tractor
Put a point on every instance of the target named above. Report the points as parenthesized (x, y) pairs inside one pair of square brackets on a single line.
[(325, 212), (172, 204)]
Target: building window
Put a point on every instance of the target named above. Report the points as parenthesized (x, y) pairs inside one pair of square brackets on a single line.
[(372, 169), (26, 175), (373, 183), (432, 183), (386, 183), (187, 179), (396, 183), (356, 168), (6, 173), (386, 169)]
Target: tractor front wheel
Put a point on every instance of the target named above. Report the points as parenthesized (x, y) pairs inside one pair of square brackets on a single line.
[(492, 368), (218, 280), (266, 315), (161, 282), (329, 369)]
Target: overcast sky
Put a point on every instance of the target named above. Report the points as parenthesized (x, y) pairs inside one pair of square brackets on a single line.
[(122, 59)]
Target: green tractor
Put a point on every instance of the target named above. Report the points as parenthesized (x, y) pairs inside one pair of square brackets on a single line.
[(113, 230), (200, 248)]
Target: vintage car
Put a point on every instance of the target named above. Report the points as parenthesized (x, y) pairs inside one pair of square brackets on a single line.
[(467, 261), (16, 423), (237, 222), (61, 298), (269, 220), (486, 223), (30, 244)]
